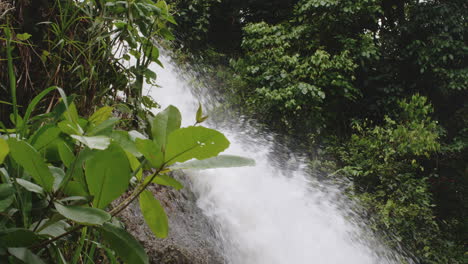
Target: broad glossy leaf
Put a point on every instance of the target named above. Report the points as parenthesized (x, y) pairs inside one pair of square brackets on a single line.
[(220, 161), (17, 237), (83, 215), (124, 244), (154, 214), (164, 123), (194, 142), (151, 151), (101, 115), (97, 142), (107, 174), (26, 156), (4, 149), (25, 255), (166, 180), (32, 187)]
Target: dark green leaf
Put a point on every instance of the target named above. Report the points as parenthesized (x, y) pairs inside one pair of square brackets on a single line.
[(124, 244), (83, 215), (17, 237), (25, 255)]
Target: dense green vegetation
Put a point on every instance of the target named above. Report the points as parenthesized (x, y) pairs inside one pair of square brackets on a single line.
[(376, 90), (61, 173)]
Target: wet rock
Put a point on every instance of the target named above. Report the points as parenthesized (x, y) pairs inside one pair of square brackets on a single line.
[(191, 239)]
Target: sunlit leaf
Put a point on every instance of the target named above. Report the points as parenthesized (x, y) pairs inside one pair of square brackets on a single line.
[(154, 214), (164, 123), (194, 142)]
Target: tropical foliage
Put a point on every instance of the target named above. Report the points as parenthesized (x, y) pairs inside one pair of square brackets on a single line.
[(375, 90)]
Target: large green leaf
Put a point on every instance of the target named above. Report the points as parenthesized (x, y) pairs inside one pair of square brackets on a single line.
[(124, 244), (124, 140), (220, 161), (194, 142), (107, 174), (4, 149), (25, 255), (97, 142), (154, 214), (26, 156), (17, 237), (83, 215), (164, 123), (151, 151), (168, 181)]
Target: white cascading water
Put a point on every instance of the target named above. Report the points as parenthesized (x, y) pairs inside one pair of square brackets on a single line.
[(266, 214)]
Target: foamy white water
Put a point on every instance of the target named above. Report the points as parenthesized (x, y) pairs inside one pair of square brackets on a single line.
[(267, 215)]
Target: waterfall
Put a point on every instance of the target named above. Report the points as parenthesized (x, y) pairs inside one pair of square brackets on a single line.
[(274, 212)]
